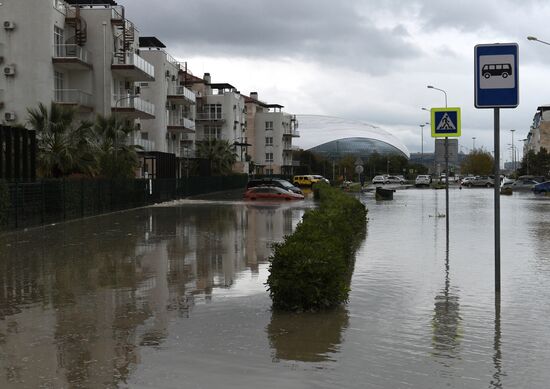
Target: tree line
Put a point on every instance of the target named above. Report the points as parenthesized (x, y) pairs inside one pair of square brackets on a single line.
[(67, 146)]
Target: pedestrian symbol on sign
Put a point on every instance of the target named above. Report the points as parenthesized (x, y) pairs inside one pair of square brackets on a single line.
[(446, 123)]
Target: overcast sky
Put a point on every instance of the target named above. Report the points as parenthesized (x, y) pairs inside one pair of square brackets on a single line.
[(365, 60)]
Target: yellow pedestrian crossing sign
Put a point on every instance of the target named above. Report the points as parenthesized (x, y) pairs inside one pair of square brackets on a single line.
[(445, 122)]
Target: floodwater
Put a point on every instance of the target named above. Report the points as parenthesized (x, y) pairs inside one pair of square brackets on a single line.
[(173, 296)]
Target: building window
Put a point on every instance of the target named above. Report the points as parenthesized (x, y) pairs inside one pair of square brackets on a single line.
[(58, 41), (58, 86), (269, 157), (269, 141), (212, 132), (268, 126), (213, 111)]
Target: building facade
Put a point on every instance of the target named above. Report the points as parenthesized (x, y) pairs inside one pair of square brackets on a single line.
[(86, 57), (539, 133), (269, 132)]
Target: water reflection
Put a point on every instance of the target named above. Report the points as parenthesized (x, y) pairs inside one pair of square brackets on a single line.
[(496, 382), (92, 292), (307, 337), (446, 320)]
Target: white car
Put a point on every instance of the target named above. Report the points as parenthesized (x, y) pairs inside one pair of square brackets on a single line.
[(379, 180), (422, 180)]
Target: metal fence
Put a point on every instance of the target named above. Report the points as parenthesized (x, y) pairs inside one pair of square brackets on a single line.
[(51, 201)]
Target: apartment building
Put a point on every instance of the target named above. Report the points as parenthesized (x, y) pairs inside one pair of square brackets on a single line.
[(221, 114), (173, 127), (270, 131), (86, 56), (539, 133)]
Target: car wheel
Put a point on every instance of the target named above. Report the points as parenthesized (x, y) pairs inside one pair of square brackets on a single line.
[(487, 75), (402, 182), (488, 185), (504, 75), (386, 182), (469, 185)]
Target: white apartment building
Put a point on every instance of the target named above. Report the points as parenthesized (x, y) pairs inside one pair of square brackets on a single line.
[(221, 114), (173, 128), (269, 131), (70, 53), (539, 133)]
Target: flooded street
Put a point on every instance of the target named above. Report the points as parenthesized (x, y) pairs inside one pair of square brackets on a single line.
[(173, 296)]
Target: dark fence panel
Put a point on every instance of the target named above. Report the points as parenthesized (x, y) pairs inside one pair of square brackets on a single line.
[(50, 201)]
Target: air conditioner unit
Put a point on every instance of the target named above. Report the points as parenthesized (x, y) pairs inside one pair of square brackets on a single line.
[(8, 25), (9, 116), (9, 70)]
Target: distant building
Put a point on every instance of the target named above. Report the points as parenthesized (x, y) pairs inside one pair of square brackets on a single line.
[(539, 133), (439, 159)]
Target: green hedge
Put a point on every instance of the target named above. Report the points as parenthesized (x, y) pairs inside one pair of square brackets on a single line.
[(4, 203), (311, 269)]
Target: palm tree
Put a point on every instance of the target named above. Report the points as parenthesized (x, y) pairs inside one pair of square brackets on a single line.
[(116, 159), (63, 144), (220, 153)]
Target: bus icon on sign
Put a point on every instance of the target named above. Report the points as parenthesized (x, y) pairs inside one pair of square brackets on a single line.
[(497, 69)]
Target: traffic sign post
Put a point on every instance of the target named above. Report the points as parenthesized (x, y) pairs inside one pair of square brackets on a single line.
[(496, 86), (446, 123)]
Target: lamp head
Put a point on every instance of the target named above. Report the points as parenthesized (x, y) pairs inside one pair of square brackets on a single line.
[(430, 87), (532, 38)]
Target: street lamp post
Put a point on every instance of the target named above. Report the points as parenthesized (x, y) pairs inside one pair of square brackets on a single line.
[(129, 97), (513, 151), (446, 169)]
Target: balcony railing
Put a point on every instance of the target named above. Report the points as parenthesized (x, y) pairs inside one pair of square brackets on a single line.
[(73, 96), (287, 161), (291, 132), (182, 91), (145, 144), (70, 51), (137, 61), (210, 116), (180, 121), (123, 101)]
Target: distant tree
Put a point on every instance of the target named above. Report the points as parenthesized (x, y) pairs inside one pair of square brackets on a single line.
[(537, 164), (479, 163), (63, 143), (220, 155)]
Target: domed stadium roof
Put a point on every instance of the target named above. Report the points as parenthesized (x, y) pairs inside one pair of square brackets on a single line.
[(342, 137)]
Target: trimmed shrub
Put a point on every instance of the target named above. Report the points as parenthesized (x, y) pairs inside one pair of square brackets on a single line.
[(311, 269)]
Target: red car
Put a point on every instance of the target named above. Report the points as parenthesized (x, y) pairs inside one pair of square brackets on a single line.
[(271, 192)]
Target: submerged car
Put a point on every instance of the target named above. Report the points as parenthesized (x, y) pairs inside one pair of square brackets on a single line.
[(543, 187), (271, 193), (278, 182)]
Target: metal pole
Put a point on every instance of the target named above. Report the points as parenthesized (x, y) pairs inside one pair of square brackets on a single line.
[(422, 144), (497, 198), (447, 186)]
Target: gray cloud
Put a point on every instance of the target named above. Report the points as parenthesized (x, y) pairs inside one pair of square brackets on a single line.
[(310, 30)]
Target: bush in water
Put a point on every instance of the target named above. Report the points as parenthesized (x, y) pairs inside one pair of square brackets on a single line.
[(311, 269)]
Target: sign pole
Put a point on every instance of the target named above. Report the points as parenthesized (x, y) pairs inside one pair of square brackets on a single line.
[(497, 198)]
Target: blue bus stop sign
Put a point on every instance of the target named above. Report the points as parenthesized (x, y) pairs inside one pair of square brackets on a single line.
[(496, 75)]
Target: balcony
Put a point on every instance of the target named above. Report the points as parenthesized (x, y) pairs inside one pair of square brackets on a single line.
[(74, 97), (181, 95), (132, 107), (291, 132), (210, 117), (71, 57), (132, 67), (178, 123), (145, 144)]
